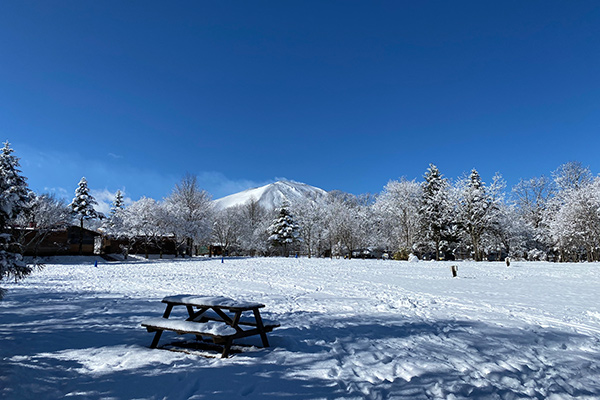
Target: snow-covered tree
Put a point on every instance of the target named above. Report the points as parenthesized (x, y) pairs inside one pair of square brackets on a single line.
[(532, 199), (572, 175), (190, 212), (256, 221), (575, 224), (311, 217), (14, 201), (145, 222), (343, 223), (227, 227), (511, 234), (47, 213), (477, 212), (117, 204), (82, 208), (284, 232), (114, 225), (398, 207), (435, 211)]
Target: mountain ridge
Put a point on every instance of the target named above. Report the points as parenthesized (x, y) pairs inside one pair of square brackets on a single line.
[(273, 195)]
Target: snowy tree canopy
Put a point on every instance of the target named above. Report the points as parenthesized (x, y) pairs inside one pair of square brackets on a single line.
[(82, 207), (284, 231), (118, 203), (189, 210), (14, 200), (14, 193), (435, 210), (83, 203), (398, 206)]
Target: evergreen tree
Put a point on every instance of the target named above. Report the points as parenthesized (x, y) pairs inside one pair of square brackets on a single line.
[(284, 232), (82, 207), (114, 224), (435, 210), (477, 212), (14, 200), (118, 203)]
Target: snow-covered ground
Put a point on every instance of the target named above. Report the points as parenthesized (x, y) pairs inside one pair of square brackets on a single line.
[(349, 329)]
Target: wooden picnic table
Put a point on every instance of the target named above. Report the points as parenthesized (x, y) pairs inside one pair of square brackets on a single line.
[(220, 318)]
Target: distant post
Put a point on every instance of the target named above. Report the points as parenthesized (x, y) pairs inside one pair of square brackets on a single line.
[(454, 270), (508, 261)]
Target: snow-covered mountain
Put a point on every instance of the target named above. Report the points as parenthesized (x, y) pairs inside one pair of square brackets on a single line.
[(272, 196)]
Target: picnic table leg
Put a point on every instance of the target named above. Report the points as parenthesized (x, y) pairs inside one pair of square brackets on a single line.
[(261, 328), (158, 333), (227, 348)]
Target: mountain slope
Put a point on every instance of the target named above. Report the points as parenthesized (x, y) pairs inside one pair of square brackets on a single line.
[(272, 196)]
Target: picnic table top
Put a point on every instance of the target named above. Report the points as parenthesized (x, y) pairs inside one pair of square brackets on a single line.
[(211, 301)]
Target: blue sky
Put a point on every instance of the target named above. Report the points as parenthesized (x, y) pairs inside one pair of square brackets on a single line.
[(338, 94)]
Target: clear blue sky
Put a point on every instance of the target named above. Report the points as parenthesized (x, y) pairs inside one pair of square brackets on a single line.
[(337, 94)]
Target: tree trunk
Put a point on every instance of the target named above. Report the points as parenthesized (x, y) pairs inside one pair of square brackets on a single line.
[(81, 236)]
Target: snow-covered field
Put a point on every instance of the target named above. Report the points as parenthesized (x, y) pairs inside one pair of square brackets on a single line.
[(349, 329)]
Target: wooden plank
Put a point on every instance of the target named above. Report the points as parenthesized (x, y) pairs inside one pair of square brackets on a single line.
[(198, 328), (210, 315), (211, 301)]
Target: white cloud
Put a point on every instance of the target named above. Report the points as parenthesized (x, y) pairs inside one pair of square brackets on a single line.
[(105, 199)]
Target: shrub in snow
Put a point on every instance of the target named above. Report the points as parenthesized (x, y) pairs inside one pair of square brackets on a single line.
[(412, 258), (401, 255)]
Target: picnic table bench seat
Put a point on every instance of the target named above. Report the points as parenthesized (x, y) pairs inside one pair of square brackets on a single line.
[(210, 328), (217, 317)]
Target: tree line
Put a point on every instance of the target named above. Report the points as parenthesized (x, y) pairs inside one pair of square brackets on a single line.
[(542, 218), (553, 218)]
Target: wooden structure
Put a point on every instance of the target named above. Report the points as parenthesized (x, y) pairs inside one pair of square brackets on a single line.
[(454, 270), (59, 241), (220, 318)]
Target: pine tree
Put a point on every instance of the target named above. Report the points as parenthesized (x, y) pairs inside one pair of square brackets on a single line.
[(114, 223), (284, 232), (477, 212), (435, 209), (14, 200), (82, 207), (118, 203)]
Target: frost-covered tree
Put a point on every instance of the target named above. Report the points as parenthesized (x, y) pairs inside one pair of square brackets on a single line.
[(575, 224), (144, 222), (477, 212), (82, 208), (398, 205), (14, 201), (117, 204), (190, 212), (227, 227), (311, 217), (47, 212), (532, 200), (435, 211), (284, 232), (256, 221), (114, 226), (572, 175), (344, 220)]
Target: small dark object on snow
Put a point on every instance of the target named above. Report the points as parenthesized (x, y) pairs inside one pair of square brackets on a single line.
[(454, 269), (508, 261)]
